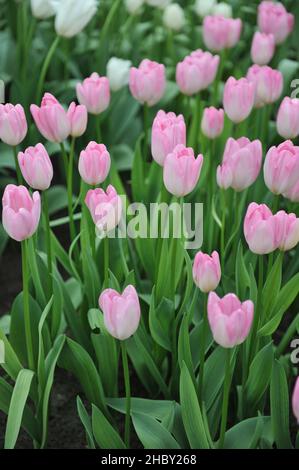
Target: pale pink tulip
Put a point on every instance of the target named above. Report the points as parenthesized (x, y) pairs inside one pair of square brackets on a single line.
[(287, 230), (206, 271), (77, 115), (212, 122), (94, 163), (196, 72), (148, 82), (262, 48), (105, 208), (13, 124), (295, 400), (51, 119), (238, 99), (274, 19), (281, 167), (168, 131), (36, 167), (94, 93), (221, 33), (260, 229), (288, 118), (268, 84)]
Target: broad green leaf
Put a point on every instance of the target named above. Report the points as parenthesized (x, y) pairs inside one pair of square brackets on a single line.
[(272, 286), (279, 401), (243, 434), (86, 421), (12, 364), (161, 320), (152, 433), (104, 433)]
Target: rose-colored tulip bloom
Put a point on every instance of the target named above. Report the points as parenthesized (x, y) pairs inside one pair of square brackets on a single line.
[(206, 271), (181, 170), (94, 163), (281, 167), (36, 167), (221, 33), (288, 118), (238, 99), (121, 312), (274, 19), (230, 320), (77, 115), (13, 124), (105, 208), (293, 193), (196, 72), (262, 48), (212, 122), (148, 82), (295, 400), (242, 161), (51, 119), (94, 93), (268, 84), (287, 226), (20, 212), (260, 229), (168, 131)]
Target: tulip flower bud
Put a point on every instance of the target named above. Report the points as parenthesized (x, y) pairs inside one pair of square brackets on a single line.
[(238, 99), (181, 170), (94, 163), (206, 271), (134, 6), (77, 115), (221, 33), (121, 312), (281, 167), (148, 82), (268, 84), (118, 73), (222, 9), (204, 7), (242, 161), (20, 212), (196, 72), (260, 229), (73, 15), (168, 131), (51, 119), (105, 208), (262, 48), (94, 93), (295, 400), (274, 19), (288, 118), (230, 320), (36, 167), (42, 9), (287, 226), (173, 17), (13, 124), (212, 122)]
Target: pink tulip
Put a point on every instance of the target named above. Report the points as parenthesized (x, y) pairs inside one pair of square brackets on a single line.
[(168, 131), (148, 82), (51, 119), (94, 93), (77, 115), (13, 124), (212, 122), (196, 72), (221, 33), (181, 170), (105, 208), (260, 229), (293, 193), (21, 212), (262, 48), (295, 400), (94, 163), (287, 226), (36, 167), (230, 320), (242, 161), (238, 99), (281, 167), (288, 118), (121, 312), (268, 84), (206, 271), (274, 19)]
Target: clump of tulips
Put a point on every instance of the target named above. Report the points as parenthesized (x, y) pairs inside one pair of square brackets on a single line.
[(205, 330)]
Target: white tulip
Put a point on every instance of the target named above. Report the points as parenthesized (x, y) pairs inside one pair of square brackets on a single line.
[(158, 3), (174, 17), (223, 9), (42, 9), (204, 7), (118, 72), (73, 15), (134, 6)]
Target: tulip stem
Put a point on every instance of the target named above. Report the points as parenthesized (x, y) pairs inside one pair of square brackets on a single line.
[(45, 67), (128, 392), (69, 183), (145, 121), (48, 241), (18, 171), (226, 389), (203, 348), (98, 128), (106, 262), (223, 224), (257, 316), (26, 306)]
